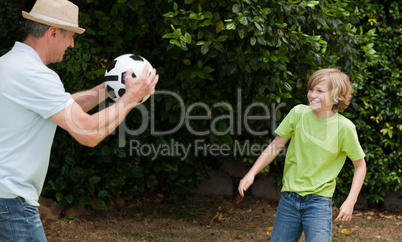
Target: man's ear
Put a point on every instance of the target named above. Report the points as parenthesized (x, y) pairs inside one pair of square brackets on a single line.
[(51, 34)]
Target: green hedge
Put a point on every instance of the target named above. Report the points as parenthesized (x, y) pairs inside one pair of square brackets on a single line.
[(378, 104), (228, 60)]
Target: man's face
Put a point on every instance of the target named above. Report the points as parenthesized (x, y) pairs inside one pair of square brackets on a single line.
[(62, 42)]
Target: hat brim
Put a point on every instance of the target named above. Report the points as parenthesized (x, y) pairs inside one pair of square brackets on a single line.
[(77, 30)]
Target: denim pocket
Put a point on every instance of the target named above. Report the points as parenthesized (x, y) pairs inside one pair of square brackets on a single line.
[(321, 200), (4, 213), (30, 211), (5, 231)]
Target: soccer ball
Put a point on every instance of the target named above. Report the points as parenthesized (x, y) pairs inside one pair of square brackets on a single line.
[(116, 72)]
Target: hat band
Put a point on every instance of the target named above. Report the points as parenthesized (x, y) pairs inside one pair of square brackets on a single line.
[(53, 20)]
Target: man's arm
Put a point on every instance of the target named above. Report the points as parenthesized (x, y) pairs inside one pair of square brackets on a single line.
[(91, 98), (91, 129)]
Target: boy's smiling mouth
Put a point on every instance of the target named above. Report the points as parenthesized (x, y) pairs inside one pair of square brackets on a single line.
[(314, 101)]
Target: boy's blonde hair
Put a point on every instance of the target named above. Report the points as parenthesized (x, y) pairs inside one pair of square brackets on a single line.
[(339, 85)]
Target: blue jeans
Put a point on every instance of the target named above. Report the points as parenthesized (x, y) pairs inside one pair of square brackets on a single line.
[(20, 221), (311, 214)]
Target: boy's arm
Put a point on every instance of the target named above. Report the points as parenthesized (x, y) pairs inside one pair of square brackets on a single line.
[(346, 210), (265, 159)]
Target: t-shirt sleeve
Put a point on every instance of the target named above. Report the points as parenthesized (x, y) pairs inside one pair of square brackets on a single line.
[(351, 145), (43, 93), (286, 128)]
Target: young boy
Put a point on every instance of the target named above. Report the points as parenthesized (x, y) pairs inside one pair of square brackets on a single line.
[(321, 139)]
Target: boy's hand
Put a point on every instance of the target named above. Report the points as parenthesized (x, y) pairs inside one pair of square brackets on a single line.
[(245, 183), (345, 211)]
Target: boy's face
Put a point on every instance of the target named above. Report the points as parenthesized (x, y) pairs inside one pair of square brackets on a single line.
[(319, 99)]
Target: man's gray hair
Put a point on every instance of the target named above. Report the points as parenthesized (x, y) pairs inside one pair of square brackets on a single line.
[(37, 30)]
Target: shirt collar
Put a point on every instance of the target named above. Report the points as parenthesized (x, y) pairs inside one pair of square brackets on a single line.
[(19, 46)]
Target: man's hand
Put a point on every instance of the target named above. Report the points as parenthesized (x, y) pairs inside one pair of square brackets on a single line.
[(139, 87)]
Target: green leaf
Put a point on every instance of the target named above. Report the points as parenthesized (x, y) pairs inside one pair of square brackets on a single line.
[(208, 69), (253, 40), (119, 24), (230, 26), (236, 8), (273, 58), (70, 160), (219, 46), (242, 33), (175, 42), (222, 38), (188, 38), (103, 193), (266, 11), (99, 203), (261, 40), (59, 196), (287, 86), (207, 14), (204, 48), (69, 199), (90, 187), (94, 179)]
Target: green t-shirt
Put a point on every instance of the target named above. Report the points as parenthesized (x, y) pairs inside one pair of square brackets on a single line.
[(317, 150)]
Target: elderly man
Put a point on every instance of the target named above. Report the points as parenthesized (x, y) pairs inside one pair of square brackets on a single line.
[(33, 102)]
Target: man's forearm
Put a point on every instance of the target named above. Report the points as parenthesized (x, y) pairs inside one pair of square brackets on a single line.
[(91, 98)]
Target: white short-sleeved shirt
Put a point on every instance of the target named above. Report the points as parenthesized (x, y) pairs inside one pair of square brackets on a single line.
[(30, 93)]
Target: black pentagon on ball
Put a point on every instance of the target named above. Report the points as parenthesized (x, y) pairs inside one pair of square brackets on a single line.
[(121, 92), (137, 58), (110, 91), (111, 65)]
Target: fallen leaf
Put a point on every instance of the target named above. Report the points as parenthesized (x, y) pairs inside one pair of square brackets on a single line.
[(345, 231), (239, 238), (269, 228), (252, 224), (220, 218)]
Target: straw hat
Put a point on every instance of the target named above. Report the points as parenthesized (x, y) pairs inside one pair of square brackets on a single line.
[(57, 13)]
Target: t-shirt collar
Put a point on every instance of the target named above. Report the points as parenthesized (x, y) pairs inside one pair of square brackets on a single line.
[(19, 46)]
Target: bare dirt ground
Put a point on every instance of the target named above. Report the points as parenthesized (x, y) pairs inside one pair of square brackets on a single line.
[(200, 218)]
